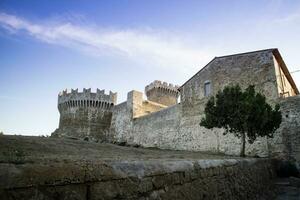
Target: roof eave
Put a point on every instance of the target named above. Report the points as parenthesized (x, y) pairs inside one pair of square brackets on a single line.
[(285, 70)]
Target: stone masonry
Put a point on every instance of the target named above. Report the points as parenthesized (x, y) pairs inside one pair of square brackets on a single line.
[(85, 114), (161, 122), (163, 93), (57, 169)]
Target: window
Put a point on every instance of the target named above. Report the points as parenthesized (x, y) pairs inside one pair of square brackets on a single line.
[(207, 88)]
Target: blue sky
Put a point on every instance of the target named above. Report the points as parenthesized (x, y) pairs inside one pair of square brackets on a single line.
[(47, 46)]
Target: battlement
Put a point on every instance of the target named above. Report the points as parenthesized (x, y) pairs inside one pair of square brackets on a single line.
[(162, 85), (86, 98), (162, 92)]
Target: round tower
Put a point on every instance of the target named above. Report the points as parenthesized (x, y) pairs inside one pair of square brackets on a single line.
[(162, 92), (85, 115)]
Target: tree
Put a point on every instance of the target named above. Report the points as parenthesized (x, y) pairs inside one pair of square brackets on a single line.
[(243, 113)]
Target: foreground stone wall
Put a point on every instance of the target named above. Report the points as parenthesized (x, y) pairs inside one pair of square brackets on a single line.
[(162, 179)]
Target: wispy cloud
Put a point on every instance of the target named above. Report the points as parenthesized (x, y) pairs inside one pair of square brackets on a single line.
[(290, 18), (145, 46)]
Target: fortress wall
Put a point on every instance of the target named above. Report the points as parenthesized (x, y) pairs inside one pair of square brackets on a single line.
[(85, 114), (286, 144), (159, 95), (149, 107), (121, 124), (81, 122), (159, 129), (170, 128), (197, 138), (291, 123)]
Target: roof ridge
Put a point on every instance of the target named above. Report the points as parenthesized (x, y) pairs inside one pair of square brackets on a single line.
[(248, 52)]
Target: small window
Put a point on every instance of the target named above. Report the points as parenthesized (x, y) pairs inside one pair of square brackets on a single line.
[(207, 88)]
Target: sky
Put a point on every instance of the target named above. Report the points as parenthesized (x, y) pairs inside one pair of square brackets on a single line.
[(121, 45)]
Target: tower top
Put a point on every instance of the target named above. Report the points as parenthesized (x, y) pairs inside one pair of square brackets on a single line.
[(161, 85), (99, 95), (162, 93)]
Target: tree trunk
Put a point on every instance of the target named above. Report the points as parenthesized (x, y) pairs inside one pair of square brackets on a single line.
[(243, 140)]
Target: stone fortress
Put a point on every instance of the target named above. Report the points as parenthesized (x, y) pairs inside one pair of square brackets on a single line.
[(162, 121), (85, 114)]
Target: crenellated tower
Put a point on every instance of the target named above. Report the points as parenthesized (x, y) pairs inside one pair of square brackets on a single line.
[(162, 92), (86, 114)]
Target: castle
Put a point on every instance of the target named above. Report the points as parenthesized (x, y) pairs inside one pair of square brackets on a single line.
[(161, 121)]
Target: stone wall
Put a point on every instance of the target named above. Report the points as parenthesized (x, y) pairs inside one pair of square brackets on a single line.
[(177, 127), (121, 124), (162, 93), (161, 179), (83, 122), (286, 144), (158, 129), (255, 68), (169, 128), (85, 115)]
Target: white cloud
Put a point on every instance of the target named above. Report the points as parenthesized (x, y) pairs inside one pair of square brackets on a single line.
[(148, 47)]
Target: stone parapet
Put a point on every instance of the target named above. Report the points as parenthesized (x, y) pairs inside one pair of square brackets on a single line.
[(69, 169), (86, 98), (87, 94), (162, 85), (162, 93)]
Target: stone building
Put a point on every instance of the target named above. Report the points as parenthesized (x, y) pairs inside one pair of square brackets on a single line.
[(160, 121)]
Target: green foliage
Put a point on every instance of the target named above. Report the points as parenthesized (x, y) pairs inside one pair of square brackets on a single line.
[(244, 113)]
